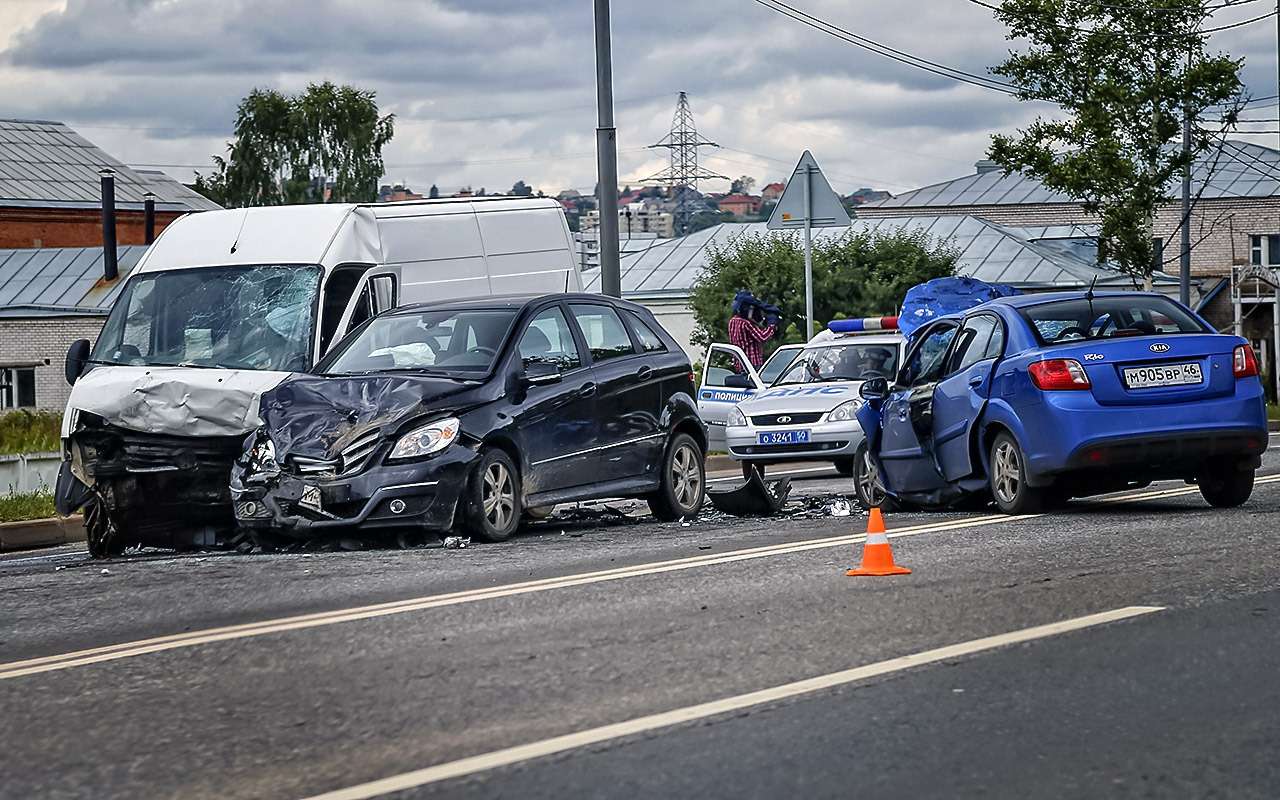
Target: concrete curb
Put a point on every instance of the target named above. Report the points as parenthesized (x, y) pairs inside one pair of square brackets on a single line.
[(41, 532)]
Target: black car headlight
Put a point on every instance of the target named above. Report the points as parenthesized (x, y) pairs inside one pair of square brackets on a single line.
[(427, 439)]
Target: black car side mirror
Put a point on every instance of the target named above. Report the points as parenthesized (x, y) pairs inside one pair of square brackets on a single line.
[(874, 389), (738, 381), (77, 358), (541, 373)]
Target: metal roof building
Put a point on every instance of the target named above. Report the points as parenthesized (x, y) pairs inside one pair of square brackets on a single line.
[(1030, 258), (46, 164), (1236, 169), (60, 281)]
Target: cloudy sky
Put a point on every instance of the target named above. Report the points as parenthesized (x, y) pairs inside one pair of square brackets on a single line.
[(490, 91)]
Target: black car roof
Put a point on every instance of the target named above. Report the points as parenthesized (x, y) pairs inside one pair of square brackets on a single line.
[(510, 301)]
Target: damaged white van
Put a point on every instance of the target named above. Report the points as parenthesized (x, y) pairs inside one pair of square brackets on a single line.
[(225, 304)]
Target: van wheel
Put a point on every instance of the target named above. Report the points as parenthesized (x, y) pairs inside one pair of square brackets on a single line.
[(1009, 478), (684, 480), (1226, 485), (867, 484), (493, 498), (103, 537)]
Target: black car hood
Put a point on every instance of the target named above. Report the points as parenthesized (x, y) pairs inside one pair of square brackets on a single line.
[(316, 415)]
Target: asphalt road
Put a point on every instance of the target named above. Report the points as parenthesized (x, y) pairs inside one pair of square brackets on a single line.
[(726, 658)]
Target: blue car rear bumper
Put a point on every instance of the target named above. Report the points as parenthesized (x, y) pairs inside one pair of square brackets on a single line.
[(1072, 432)]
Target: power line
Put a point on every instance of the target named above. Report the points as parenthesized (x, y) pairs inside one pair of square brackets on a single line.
[(884, 50), (1267, 15), (1208, 12)]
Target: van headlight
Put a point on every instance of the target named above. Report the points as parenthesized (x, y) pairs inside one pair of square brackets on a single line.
[(736, 418), (430, 438), (846, 411)]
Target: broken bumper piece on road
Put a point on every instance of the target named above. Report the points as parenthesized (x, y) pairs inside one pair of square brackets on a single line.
[(422, 494), (756, 497)]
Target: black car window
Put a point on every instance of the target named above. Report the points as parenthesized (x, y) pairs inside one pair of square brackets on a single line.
[(603, 330), (548, 339), (971, 346), (995, 346), (650, 341), (926, 361)]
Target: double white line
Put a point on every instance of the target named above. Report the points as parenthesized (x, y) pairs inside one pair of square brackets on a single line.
[(97, 655)]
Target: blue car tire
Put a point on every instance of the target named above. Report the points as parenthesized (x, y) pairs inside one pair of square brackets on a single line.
[(1008, 477)]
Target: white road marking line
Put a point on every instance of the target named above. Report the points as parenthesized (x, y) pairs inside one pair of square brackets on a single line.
[(78, 658), (559, 744)]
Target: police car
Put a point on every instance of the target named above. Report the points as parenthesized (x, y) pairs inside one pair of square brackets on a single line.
[(801, 404)]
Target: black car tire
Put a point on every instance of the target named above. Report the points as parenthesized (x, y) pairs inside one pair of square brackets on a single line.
[(493, 497), (1008, 477), (751, 466), (866, 484), (844, 466), (1226, 485), (683, 480)]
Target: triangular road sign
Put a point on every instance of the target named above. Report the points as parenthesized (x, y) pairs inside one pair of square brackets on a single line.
[(825, 208)]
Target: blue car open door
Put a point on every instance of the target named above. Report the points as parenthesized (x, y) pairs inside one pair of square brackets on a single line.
[(907, 459), (960, 396)]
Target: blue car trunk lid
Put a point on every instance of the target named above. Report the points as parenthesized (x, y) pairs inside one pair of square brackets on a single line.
[(1105, 362)]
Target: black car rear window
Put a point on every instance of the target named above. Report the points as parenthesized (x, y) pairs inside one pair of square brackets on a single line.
[(1079, 320)]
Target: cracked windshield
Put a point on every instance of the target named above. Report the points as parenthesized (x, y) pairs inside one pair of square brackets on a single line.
[(851, 362), (232, 317), (456, 340)]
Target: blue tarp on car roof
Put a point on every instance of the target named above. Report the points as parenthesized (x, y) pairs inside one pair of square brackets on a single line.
[(942, 296)]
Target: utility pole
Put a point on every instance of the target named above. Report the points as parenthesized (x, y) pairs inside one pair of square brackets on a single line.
[(606, 157), (1184, 261)]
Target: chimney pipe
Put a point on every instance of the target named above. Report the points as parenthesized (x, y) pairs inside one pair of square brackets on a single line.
[(110, 267), (149, 217)]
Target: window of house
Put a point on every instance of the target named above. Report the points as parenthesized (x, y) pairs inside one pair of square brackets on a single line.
[(17, 387), (1264, 250)]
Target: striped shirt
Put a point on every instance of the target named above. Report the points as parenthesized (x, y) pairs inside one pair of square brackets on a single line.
[(750, 338)]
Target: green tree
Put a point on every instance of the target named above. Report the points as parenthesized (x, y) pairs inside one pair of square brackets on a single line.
[(290, 148), (520, 189), (855, 275), (1122, 72)]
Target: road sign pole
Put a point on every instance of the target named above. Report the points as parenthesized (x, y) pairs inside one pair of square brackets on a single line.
[(808, 253)]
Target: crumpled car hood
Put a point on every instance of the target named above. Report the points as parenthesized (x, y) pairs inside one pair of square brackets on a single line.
[(316, 415), (180, 401)]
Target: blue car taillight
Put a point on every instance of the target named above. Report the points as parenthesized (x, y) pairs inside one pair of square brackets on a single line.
[(1058, 374), (1244, 364)]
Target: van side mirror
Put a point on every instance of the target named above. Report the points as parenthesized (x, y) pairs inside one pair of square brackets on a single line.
[(540, 373), (77, 358), (738, 381), (874, 389)]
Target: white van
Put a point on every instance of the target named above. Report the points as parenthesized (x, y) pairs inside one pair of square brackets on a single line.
[(225, 304)]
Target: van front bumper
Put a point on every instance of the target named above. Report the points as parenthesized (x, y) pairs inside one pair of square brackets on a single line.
[(421, 494)]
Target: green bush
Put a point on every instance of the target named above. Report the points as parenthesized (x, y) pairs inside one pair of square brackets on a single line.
[(855, 275), (30, 432), (33, 505)]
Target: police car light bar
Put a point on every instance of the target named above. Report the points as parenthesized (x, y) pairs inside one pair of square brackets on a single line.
[(863, 325)]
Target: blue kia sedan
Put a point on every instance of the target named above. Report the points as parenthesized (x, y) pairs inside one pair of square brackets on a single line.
[(1034, 399)]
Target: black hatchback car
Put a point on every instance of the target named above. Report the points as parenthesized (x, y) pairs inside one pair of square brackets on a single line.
[(474, 413)]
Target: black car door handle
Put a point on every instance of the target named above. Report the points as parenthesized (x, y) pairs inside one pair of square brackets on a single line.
[(587, 390), (645, 372)]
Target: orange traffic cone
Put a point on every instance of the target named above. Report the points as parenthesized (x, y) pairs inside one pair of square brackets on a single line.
[(877, 556)]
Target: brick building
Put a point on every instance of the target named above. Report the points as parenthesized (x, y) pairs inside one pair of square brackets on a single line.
[(50, 189), (50, 297)]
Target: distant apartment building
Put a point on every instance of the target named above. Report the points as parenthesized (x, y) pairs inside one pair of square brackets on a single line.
[(633, 219), (772, 192), (396, 193)]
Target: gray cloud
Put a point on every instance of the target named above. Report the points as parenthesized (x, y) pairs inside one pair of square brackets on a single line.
[(488, 91)]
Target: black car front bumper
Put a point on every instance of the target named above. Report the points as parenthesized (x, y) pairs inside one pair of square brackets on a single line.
[(421, 494)]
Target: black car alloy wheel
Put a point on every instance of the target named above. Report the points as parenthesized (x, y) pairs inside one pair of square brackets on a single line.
[(494, 511), (683, 480)]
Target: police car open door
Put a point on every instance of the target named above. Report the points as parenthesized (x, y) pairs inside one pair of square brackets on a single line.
[(727, 379)]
